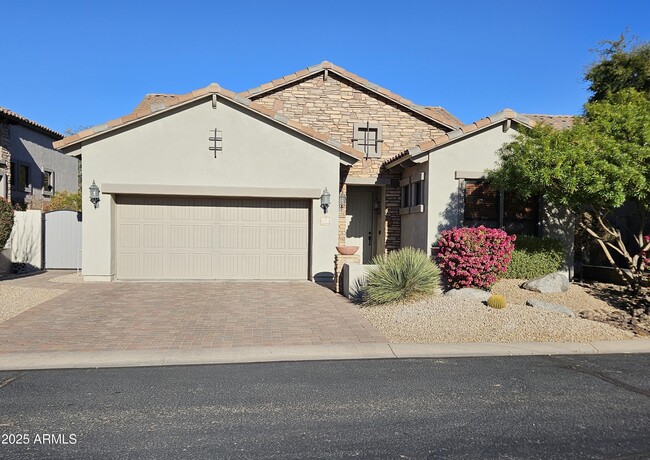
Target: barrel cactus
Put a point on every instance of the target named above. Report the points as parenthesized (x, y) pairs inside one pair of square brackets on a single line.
[(497, 301)]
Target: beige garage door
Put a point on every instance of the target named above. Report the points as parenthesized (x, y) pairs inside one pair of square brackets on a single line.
[(173, 238)]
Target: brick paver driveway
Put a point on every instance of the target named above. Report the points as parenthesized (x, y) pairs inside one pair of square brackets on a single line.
[(159, 316)]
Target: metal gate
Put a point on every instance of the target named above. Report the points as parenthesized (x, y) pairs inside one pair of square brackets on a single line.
[(62, 239)]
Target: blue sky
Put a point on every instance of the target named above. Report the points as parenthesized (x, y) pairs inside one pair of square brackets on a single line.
[(76, 63)]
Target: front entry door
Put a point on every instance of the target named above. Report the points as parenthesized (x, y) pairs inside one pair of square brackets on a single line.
[(359, 218)]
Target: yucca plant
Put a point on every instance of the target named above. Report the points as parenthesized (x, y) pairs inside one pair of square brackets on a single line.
[(402, 275)]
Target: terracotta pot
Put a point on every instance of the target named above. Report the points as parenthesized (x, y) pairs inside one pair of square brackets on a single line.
[(347, 250)]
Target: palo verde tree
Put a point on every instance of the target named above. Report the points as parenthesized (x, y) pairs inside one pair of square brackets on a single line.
[(600, 163)]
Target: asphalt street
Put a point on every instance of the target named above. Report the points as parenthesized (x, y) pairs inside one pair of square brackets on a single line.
[(504, 407)]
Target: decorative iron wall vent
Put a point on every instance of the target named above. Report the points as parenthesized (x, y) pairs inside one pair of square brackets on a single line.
[(216, 139)]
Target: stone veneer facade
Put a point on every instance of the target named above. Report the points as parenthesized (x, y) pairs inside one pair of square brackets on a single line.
[(5, 154), (332, 104)]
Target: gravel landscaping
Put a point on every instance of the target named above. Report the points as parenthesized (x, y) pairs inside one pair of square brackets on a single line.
[(15, 300), (451, 320)]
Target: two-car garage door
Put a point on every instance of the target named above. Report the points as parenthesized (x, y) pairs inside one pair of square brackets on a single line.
[(168, 238)]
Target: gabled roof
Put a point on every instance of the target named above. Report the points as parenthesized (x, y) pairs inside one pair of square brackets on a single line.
[(457, 134), (436, 114), (13, 116), (153, 98), (169, 102), (556, 121)]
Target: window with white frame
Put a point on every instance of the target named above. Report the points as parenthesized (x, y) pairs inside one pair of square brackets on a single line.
[(367, 138), (412, 194)]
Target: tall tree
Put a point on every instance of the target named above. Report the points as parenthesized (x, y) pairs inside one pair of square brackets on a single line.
[(600, 163), (622, 64)]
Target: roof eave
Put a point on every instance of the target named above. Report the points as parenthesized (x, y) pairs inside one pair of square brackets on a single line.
[(346, 157), (460, 134)]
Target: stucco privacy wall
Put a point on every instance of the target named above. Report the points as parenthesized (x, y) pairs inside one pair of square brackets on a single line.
[(26, 240), (35, 149), (172, 150)]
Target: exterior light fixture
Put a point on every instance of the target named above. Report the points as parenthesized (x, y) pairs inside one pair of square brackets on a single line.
[(94, 194), (325, 200), (343, 201)]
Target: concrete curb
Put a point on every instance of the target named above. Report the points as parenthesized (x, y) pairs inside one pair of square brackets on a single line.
[(147, 358)]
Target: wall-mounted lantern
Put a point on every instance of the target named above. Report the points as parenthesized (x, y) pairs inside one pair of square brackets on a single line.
[(94, 194), (325, 200), (343, 201)]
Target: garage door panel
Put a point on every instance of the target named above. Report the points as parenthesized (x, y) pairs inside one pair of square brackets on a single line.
[(228, 265), (202, 237), (130, 264), (152, 236), (179, 236), (228, 237), (129, 235), (211, 238), (202, 265), (295, 264), (297, 238), (152, 264)]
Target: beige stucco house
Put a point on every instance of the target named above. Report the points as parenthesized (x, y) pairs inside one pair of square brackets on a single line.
[(218, 185)]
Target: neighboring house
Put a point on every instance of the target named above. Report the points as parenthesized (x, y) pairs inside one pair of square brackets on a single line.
[(218, 185), (29, 165)]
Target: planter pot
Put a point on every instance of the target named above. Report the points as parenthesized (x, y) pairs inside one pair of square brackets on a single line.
[(347, 250)]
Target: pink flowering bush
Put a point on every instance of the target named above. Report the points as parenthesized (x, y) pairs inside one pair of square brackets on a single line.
[(474, 257)]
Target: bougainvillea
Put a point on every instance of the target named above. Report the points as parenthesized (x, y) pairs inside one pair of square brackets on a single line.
[(474, 257)]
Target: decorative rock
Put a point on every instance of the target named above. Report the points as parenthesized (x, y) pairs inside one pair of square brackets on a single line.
[(469, 293), (548, 284), (554, 307)]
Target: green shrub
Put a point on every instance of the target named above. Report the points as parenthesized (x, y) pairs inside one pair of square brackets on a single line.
[(64, 201), (402, 275), (535, 257), (6, 221), (497, 301)]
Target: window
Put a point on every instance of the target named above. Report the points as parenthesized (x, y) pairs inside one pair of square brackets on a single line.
[(48, 182), (481, 205), (412, 194), (406, 196), (23, 178), (20, 179), (367, 139), (490, 208)]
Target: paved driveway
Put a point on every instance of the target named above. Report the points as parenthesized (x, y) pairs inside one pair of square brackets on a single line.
[(160, 316)]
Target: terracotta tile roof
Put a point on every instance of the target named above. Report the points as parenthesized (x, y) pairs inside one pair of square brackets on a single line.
[(438, 141), (556, 121), (10, 114), (171, 101), (445, 114), (437, 114), (153, 98)]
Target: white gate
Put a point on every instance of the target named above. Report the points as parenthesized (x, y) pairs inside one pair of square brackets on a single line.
[(62, 239)]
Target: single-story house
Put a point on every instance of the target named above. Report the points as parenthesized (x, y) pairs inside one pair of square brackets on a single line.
[(30, 168), (265, 184)]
